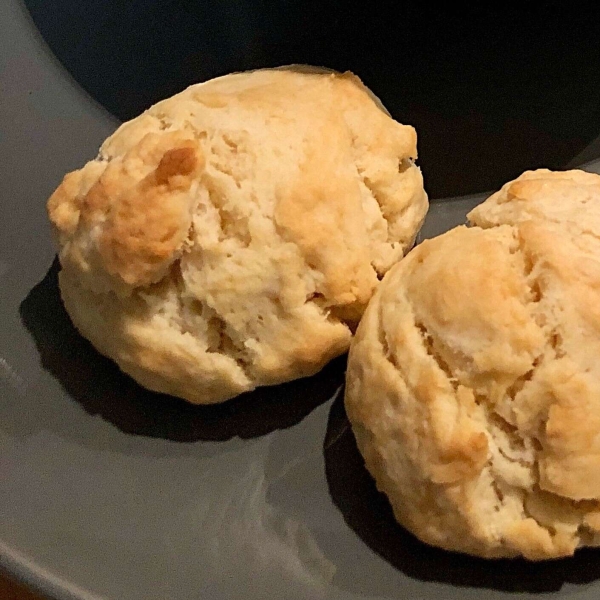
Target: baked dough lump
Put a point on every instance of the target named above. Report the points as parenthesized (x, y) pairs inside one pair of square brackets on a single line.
[(473, 384), (231, 236)]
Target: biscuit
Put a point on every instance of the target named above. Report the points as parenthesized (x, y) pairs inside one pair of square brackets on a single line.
[(473, 383), (232, 235)]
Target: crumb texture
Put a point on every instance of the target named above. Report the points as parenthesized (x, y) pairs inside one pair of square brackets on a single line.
[(473, 383), (232, 235)]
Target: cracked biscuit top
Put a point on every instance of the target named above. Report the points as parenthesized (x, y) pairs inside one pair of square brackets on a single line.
[(232, 235), (473, 383)]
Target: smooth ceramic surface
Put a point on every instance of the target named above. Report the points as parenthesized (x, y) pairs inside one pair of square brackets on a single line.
[(110, 491)]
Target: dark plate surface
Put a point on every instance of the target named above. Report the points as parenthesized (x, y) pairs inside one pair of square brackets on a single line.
[(110, 491)]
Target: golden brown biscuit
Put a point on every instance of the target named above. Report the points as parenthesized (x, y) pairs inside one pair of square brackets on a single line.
[(473, 383), (231, 236), (568, 197)]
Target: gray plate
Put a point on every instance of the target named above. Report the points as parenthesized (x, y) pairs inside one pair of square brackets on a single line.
[(109, 491)]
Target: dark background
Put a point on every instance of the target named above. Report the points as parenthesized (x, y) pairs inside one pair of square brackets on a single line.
[(491, 92)]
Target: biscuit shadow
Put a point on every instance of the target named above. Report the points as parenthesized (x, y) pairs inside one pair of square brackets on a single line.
[(101, 388), (369, 515)]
